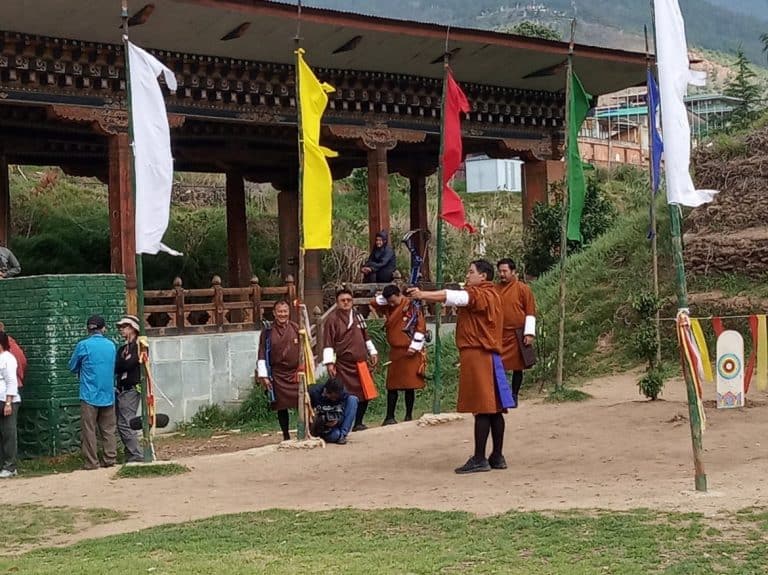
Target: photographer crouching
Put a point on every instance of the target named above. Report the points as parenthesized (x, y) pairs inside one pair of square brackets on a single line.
[(335, 411)]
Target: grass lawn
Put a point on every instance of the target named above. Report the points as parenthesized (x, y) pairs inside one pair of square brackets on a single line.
[(155, 470), (30, 525), (422, 542)]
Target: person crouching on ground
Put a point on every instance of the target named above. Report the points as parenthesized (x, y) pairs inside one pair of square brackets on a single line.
[(9, 391), (127, 381), (334, 409), (483, 387)]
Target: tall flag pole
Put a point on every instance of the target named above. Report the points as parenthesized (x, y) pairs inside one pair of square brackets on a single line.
[(151, 184), (301, 414), (577, 104), (654, 166), (449, 205), (674, 77), (315, 191)]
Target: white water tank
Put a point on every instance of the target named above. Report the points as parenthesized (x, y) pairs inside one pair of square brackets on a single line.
[(488, 175)]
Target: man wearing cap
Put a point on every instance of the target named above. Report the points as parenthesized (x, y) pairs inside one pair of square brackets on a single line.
[(127, 373), (93, 362)]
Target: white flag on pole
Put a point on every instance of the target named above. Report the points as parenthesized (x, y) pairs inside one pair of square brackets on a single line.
[(152, 150), (674, 76)]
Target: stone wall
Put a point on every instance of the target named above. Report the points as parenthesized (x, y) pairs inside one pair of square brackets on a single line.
[(200, 370), (47, 316)]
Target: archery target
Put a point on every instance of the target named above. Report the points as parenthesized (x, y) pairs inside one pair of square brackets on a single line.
[(728, 366), (730, 370)]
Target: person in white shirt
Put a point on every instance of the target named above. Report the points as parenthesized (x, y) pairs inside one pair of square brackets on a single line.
[(9, 391)]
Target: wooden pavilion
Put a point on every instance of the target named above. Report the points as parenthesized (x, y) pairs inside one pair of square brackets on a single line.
[(62, 102)]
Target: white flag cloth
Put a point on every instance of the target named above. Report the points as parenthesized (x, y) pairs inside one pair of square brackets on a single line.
[(151, 149), (674, 76)]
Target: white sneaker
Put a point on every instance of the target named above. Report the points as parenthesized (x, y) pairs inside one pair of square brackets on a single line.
[(5, 474)]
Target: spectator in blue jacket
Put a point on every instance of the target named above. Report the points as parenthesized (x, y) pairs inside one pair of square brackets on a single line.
[(93, 362), (335, 411)]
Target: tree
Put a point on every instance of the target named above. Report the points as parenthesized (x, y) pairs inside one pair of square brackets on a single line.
[(534, 30), (743, 87)]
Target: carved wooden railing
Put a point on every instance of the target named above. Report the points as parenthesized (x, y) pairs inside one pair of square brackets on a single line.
[(211, 310)]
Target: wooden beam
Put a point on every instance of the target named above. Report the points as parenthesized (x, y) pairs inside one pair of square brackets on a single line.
[(122, 234), (5, 201), (378, 192), (237, 232)]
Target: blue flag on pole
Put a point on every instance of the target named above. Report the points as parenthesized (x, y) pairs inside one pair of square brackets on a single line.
[(657, 146)]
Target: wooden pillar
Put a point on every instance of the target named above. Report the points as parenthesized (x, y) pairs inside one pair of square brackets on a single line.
[(378, 192), (313, 282), (534, 188), (122, 232), (287, 219), (537, 177), (419, 216), (238, 258)]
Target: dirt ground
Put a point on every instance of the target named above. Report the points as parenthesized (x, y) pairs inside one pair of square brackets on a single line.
[(615, 451), (176, 447)]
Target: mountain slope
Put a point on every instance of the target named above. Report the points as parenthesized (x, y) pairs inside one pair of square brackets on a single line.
[(715, 24)]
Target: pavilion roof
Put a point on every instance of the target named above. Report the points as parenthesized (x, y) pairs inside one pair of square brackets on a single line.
[(380, 45)]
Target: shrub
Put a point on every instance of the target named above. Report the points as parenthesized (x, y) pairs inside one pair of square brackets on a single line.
[(542, 240)]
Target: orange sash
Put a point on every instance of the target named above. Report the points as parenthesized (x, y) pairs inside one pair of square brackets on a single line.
[(366, 381)]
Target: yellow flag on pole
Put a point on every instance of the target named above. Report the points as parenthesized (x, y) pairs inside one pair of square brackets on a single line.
[(317, 183)]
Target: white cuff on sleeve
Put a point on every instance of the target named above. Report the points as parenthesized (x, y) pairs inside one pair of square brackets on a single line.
[(261, 368), (380, 300), (530, 325), (328, 356), (371, 348), (459, 298), (417, 343)]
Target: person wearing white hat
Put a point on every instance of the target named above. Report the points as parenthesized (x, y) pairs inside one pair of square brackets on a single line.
[(128, 373)]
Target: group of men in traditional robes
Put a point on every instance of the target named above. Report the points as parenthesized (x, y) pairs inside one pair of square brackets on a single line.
[(494, 333)]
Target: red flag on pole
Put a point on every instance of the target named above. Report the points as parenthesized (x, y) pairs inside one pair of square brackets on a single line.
[(455, 103)]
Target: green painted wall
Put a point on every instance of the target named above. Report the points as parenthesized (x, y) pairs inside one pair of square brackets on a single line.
[(47, 315)]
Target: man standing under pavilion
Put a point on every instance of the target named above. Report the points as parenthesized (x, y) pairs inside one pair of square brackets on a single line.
[(519, 323), (483, 389), (347, 351), (278, 364), (408, 359)]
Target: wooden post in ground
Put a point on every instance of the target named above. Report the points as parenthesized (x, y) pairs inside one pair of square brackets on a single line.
[(564, 220)]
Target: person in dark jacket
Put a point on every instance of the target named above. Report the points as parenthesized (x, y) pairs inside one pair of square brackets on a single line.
[(335, 411), (380, 266), (127, 379)]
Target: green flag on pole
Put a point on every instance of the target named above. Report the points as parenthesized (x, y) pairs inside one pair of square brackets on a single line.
[(579, 104)]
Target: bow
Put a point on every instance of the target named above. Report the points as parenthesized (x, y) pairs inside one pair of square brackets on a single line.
[(417, 260)]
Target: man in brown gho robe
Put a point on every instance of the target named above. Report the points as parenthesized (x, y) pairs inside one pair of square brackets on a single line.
[(346, 345), (478, 336), (519, 322), (277, 371), (408, 359)]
